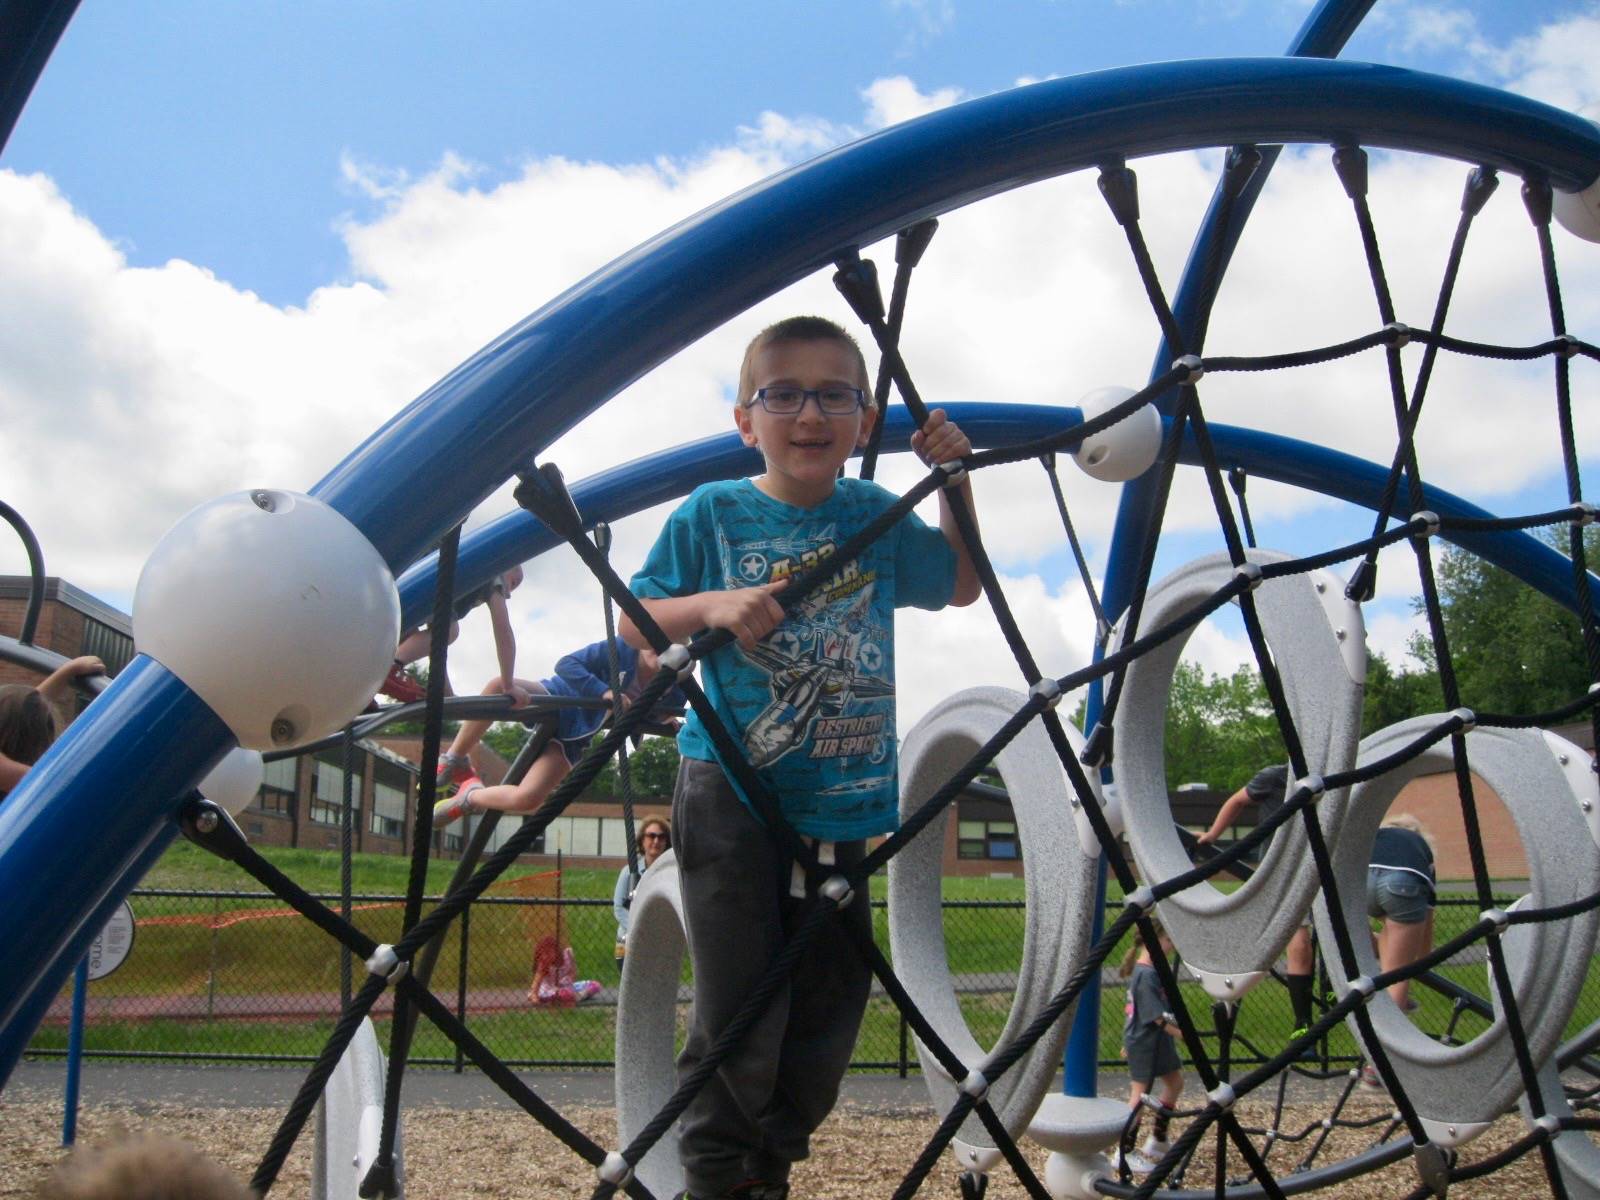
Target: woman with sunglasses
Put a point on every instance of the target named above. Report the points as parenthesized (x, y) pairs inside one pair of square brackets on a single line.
[(655, 835)]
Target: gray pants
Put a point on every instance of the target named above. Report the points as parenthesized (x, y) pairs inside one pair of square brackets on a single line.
[(755, 1116)]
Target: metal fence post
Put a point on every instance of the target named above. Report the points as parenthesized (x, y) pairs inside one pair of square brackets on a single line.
[(462, 955), (345, 846), (211, 962)]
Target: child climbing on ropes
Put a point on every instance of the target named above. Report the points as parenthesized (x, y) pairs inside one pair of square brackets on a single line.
[(1152, 1053), (28, 718), (810, 694), (584, 673), (415, 643), (1268, 788)]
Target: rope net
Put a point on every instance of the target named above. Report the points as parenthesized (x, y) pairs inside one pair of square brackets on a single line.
[(1271, 1159)]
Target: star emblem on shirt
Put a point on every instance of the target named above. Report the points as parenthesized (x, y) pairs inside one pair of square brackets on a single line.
[(752, 566), (870, 657)]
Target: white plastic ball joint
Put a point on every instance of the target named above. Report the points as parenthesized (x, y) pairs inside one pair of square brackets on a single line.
[(1126, 450), (275, 610), (234, 781), (1579, 212)]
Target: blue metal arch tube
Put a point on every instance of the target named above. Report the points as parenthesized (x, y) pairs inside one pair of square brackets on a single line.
[(86, 823), (657, 478), (536, 381)]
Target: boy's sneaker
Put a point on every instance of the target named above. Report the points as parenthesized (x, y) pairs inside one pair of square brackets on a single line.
[(1136, 1162), (1154, 1150), (453, 808), (1370, 1079), (452, 772)]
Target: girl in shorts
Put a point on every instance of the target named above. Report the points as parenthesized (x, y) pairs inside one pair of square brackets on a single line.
[(1152, 1053)]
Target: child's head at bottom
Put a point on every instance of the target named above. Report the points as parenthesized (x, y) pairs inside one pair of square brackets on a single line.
[(143, 1166)]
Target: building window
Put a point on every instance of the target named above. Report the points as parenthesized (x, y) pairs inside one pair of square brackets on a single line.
[(988, 839), (388, 808), (327, 791), (585, 837), (277, 786)]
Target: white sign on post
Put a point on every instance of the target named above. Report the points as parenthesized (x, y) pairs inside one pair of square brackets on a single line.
[(108, 951)]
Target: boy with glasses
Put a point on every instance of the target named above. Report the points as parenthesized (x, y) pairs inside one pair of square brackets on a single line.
[(811, 695)]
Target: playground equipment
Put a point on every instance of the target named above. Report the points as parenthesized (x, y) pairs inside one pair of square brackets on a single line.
[(164, 730)]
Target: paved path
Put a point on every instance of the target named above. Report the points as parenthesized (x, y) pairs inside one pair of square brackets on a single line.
[(268, 1006), (228, 1086)]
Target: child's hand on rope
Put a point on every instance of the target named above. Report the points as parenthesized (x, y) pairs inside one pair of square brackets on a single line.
[(747, 613), (940, 440)]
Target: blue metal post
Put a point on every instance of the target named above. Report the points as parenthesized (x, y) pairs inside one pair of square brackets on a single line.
[(86, 823), (80, 989)]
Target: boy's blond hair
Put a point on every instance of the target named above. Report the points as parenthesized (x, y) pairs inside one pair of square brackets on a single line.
[(143, 1167), (800, 329)]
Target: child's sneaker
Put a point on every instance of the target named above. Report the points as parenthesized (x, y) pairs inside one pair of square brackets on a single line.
[(1308, 1052), (453, 808), (1136, 1162), (1370, 1079), (1153, 1150), (453, 770), (400, 686)]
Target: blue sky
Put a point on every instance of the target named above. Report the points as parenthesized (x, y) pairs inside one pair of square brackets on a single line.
[(214, 132), (235, 237)]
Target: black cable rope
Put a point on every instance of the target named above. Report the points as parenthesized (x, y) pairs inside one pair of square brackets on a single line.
[(1480, 185), (380, 1179), (1120, 190), (316, 1079), (1097, 749), (1237, 480), (510, 1083), (1537, 200), (602, 543), (909, 246), (1102, 627)]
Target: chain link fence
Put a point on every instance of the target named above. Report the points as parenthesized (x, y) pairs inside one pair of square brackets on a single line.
[(216, 976)]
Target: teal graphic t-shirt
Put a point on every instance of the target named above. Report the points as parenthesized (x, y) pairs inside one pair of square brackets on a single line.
[(812, 704)]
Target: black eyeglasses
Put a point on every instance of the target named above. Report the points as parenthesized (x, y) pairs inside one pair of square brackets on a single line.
[(655, 837), (785, 401)]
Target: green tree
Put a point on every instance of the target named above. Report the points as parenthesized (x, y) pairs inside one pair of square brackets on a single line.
[(1220, 729), (505, 738), (1513, 649), (652, 768), (1395, 695)]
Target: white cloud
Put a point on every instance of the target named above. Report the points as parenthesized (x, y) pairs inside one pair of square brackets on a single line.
[(130, 395), (925, 20)]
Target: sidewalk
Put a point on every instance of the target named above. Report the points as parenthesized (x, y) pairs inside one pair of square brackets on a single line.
[(228, 1086)]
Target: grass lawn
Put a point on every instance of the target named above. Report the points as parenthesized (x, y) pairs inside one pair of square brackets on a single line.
[(196, 955)]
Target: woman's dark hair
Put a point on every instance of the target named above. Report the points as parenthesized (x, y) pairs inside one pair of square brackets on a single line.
[(27, 726)]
